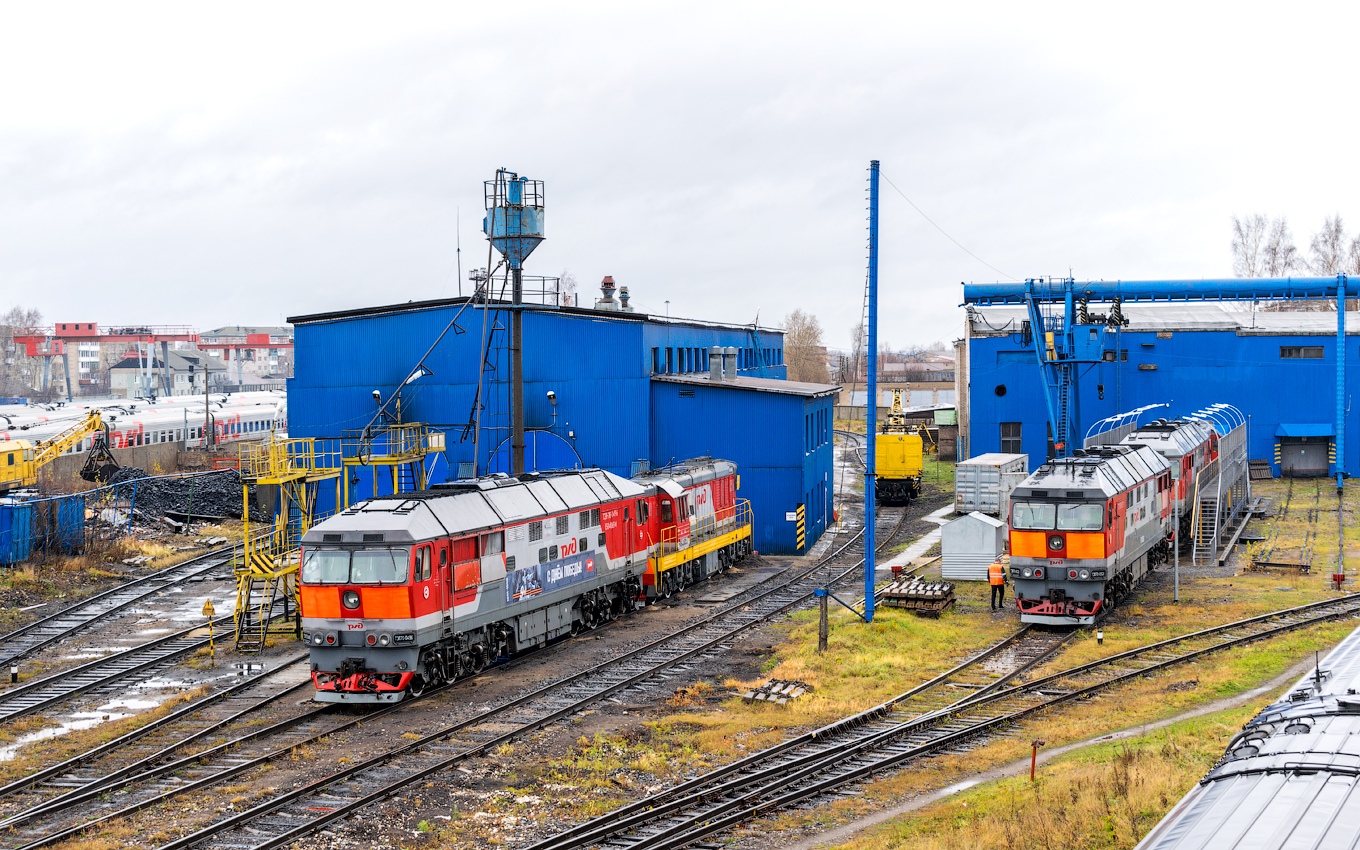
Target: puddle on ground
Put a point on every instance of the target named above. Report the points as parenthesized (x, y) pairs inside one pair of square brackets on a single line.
[(957, 787), (130, 703), (77, 721), (248, 668)]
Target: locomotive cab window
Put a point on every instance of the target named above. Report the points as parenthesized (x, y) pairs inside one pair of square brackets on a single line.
[(493, 543), (1079, 517), (666, 516), (423, 563), (1032, 516)]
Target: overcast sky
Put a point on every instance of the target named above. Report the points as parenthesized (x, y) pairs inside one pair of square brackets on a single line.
[(168, 164)]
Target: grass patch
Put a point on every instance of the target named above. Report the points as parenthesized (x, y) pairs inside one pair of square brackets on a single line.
[(1104, 796)]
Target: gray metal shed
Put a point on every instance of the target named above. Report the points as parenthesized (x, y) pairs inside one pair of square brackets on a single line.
[(969, 545)]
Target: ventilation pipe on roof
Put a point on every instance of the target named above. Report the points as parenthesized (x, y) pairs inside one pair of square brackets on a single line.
[(606, 301), (730, 363), (715, 360), (623, 300)]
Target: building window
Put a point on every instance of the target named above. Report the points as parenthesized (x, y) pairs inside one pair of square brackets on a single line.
[(1010, 438), (656, 361), (1301, 352)]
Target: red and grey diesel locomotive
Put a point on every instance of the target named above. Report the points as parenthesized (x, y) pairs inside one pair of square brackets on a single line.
[(405, 592), (1086, 529)]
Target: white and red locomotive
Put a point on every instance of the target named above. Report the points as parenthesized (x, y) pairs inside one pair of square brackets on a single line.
[(1086, 529), (405, 592)]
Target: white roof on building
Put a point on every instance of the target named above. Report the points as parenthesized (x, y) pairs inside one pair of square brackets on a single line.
[(1202, 316)]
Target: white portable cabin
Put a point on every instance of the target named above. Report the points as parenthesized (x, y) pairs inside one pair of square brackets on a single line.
[(969, 545), (984, 483)]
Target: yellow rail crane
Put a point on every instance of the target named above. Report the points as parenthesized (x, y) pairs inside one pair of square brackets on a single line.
[(287, 475), (22, 460), (899, 457)]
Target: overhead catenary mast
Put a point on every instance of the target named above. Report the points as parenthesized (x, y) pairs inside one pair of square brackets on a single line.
[(514, 225)]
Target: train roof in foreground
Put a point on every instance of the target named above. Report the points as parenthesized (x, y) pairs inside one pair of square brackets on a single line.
[(465, 507), (1098, 472), (1290, 778)]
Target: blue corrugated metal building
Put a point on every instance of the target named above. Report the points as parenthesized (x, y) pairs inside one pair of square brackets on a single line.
[(756, 413), (1279, 368), (602, 367)]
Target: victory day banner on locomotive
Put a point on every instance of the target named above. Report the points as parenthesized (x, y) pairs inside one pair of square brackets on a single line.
[(549, 575)]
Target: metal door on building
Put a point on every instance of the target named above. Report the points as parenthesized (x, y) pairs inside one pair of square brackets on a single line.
[(1303, 457)]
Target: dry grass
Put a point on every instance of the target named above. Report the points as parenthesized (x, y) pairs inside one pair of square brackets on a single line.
[(1106, 796)]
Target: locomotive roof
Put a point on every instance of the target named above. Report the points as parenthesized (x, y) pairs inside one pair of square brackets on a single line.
[(1172, 438), (688, 473), (1291, 778), (1095, 473), (465, 507)]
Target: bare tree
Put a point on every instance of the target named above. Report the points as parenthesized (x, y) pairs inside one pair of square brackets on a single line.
[(19, 373), (1279, 256), (1250, 234), (804, 353), (566, 288), (1327, 253)]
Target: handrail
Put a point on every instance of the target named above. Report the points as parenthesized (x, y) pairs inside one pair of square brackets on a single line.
[(724, 521)]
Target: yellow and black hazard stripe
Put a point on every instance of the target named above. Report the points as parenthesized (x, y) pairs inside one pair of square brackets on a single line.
[(802, 526)]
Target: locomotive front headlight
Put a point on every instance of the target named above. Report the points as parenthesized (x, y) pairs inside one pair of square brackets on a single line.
[(1085, 573), (1055, 542), (350, 599), (316, 639), (384, 639), (1028, 573), (402, 665)]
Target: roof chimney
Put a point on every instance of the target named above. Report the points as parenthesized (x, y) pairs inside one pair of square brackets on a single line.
[(730, 363), (623, 300), (607, 302), (715, 359)]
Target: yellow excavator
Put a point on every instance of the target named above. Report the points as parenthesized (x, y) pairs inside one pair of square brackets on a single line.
[(21, 460)]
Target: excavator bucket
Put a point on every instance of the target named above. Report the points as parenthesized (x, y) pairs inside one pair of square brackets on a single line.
[(99, 463)]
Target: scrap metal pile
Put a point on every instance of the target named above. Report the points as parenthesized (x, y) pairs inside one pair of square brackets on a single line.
[(213, 495)]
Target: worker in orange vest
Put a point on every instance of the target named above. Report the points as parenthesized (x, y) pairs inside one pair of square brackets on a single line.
[(996, 574)]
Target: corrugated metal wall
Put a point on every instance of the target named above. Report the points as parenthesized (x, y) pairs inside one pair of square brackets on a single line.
[(597, 364), (671, 349), (1192, 369), (766, 435)]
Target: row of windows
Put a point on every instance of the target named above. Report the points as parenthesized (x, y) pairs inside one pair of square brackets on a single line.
[(1305, 352), (816, 429), (549, 553), (679, 361), (584, 520)]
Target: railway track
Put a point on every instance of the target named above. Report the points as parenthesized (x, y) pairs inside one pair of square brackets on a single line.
[(49, 691), (300, 811), (67, 800), (885, 738), (25, 641)]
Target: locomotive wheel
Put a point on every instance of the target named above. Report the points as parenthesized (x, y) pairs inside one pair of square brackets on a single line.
[(667, 584), (417, 686), (478, 663)]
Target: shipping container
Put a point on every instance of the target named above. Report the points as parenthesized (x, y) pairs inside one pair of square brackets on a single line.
[(984, 483), (16, 531)]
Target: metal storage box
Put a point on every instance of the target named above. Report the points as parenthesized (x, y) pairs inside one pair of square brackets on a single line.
[(984, 483), (969, 545)]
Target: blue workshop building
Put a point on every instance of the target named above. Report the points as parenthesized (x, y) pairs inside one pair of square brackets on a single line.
[(611, 388), (1278, 368)]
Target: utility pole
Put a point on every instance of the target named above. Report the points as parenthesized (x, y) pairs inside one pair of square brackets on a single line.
[(871, 410)]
